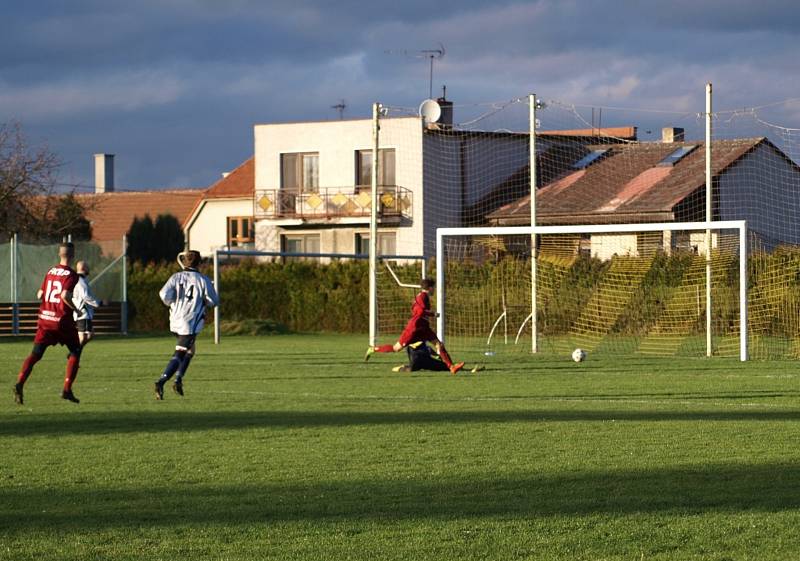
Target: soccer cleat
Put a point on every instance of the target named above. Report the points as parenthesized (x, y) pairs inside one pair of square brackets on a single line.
[(456, 367), (18, 393), (478, 368), (69, 396), (368, 354), (401, 368), (159, 389), (177, 387)]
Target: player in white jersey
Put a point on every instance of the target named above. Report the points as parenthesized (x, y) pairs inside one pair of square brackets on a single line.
[(85, 304), (189, 295)]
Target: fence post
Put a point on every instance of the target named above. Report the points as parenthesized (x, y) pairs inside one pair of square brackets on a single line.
[(124, 303), (216, 287), (14, 292)]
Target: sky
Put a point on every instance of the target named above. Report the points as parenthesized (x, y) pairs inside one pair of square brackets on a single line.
[(174, 87)]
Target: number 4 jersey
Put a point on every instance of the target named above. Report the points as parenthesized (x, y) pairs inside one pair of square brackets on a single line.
[(188, 294), (53, 313)]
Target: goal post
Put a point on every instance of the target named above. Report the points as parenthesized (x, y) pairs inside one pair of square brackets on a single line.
[(637, 288)]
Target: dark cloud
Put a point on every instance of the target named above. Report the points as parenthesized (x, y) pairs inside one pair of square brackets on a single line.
[(174, 86)]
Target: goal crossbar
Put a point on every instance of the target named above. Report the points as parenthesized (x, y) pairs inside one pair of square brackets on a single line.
[(739, 225)]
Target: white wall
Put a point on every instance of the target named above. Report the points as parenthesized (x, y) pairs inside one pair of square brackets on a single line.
[(209, 230), (763, 189), (337, 143), (605, 246)]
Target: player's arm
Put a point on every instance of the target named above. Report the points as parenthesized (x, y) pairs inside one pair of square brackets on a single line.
[(90, 300), (66, 297), (39, 294), (169, 292), (212, 298), (67, 293)]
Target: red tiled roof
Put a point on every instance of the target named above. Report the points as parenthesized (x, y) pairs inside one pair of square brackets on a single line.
[(626, 183), (240, 183), (111, 214)]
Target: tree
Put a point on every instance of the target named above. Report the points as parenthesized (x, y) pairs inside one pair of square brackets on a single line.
[(141, 238), (29, 201), (169, 238), (150, 242)]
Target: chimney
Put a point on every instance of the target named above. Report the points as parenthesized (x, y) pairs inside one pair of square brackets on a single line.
[(103, 173), (672, 134), (446, 119)]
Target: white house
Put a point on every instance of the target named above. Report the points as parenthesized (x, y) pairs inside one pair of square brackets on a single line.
[(223, 215), (312, 183)]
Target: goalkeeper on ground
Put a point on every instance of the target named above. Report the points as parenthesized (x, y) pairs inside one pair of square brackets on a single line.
[(422, 357), (419, 329), (189, 295)]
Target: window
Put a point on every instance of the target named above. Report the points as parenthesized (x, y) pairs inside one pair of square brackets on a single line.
[(240, 231), (300, 172), (590, 158), (386, 162), (677, 156), (387, 243), (299, 243)]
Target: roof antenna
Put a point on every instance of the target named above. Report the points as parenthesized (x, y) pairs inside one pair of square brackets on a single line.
[(340, 107), (430, 54)]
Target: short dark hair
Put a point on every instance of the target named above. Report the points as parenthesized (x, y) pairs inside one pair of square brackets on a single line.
[(191, 259), (427, 283), (68, 246)]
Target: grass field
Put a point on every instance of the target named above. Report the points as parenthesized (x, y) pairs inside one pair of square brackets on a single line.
[(290, 447)]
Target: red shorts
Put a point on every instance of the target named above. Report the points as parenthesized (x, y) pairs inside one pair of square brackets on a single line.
[(66, 335), (417, 330)]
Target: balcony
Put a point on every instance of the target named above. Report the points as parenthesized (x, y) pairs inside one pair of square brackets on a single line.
[(395, 203)]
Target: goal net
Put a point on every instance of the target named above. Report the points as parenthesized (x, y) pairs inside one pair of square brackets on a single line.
[(678, 162), (633, 289)]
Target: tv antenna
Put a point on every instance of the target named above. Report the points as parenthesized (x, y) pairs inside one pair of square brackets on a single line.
[(430, 54), (340, 107)]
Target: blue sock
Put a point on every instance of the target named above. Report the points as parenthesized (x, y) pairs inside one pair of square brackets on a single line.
[(173, 365), (183, 367)]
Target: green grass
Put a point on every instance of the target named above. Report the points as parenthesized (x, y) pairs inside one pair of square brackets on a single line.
[(290, 447)]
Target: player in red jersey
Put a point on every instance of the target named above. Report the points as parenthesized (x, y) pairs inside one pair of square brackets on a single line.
[(419, 329), (56, 324)]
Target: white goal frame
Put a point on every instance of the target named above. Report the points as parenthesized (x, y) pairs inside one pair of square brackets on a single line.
[(740, 225)]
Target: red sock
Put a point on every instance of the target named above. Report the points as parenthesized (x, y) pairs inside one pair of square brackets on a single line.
[(72, 372), (444, 356), (27, 368), (384, 348)]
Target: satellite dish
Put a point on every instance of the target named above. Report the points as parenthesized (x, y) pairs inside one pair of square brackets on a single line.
[(430, 111)]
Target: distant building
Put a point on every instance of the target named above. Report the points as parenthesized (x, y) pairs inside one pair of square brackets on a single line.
[(223, 214), (665, 182)]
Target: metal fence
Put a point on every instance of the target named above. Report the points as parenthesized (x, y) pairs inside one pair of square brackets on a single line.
[(23, 264)]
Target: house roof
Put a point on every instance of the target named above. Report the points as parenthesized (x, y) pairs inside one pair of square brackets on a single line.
[(239, 184), (627, 184), (111, 214)]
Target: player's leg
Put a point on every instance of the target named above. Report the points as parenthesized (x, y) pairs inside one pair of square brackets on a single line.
[(445, 356), (69, 338), (177, 387), (181, 347), (396, 348), (39, 346)]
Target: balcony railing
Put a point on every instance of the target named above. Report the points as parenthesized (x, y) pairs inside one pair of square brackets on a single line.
[(333, 202)]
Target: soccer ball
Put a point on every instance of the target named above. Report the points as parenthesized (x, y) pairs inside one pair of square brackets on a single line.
[(578, 355)]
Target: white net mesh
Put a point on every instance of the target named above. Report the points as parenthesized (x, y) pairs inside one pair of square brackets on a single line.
[(607, 165), (612, 292)]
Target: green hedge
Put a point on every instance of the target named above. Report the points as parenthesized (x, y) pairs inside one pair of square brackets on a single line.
[(304, 296), (301, 296)]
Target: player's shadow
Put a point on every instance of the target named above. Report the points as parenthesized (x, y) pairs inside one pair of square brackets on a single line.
[(191, 421), (711, 488)]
